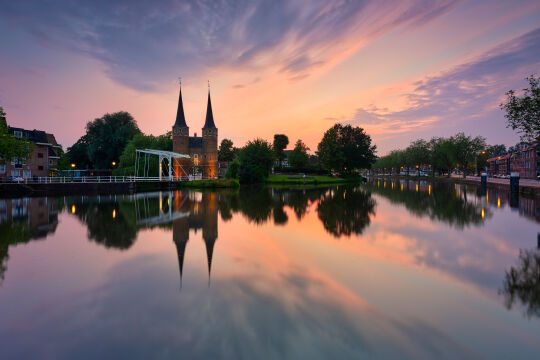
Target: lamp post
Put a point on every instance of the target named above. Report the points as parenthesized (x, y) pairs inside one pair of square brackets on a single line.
[(477, 155)]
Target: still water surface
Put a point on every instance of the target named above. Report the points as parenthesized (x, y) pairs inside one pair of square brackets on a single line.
[(409, 270)]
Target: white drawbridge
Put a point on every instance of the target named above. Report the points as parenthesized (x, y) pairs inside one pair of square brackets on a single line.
[(147, 154)]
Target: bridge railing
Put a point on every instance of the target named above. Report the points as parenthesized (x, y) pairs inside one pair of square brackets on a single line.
[(96, 179)]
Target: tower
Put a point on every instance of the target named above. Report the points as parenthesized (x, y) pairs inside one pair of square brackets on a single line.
[(180, 136), (209, 142)]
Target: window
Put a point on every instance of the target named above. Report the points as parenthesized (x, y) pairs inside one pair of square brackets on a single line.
[(27, 173), (2, 168), (18, 133), (15, 173), (40, 167), (40, 155), (196, 156), (50, 162)]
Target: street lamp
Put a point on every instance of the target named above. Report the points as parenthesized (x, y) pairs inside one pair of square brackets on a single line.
[(72, 165), (114, 163)]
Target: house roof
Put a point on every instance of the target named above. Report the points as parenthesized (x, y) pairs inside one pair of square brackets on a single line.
[(36, 136), (501, 157)]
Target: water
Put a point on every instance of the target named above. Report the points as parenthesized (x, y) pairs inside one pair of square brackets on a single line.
[(407, 270)]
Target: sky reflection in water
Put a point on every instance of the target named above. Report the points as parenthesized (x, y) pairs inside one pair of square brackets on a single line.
[(385, 270)]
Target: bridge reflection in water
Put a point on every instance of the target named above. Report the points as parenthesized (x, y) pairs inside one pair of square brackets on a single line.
[(186, 211)]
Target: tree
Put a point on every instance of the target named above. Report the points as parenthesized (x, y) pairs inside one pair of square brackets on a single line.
[(497, 150), (256, 160), (299, 158), (442, 154), (523, 113), (104, 141), (226, 150), (467, 150), (78, 154), (233, 169), (345, 149), (418, 153), (10, 146), (280, 143)]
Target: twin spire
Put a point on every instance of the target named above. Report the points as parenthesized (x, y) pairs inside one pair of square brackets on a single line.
[(181, 118)]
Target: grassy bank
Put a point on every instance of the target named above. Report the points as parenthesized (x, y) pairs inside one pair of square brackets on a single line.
[(209, 184), (311, 180)]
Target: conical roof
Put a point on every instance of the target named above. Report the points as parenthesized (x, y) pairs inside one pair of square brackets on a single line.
[(180, 118), (209, 123)]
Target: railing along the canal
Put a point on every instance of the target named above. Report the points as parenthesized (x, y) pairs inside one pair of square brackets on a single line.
[(98, 179)]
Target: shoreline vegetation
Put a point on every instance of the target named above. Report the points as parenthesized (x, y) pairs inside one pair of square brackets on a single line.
[(286, 179)]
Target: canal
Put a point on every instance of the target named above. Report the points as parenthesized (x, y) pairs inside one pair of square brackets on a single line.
[(388, 269)]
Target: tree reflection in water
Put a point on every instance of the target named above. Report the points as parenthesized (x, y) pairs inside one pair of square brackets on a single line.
[(439, 201), (346, 210), (522, 283)]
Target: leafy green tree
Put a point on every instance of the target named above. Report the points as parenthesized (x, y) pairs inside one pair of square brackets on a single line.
[(280, 143), (233, 169), (418, 153), (497, 150), (442, 154), (126, 164), (10, 146), (467, 150), (256, 160), (226, 150), (523, 113), (299, 158), (78, 154), (104, 141), (345, 149)]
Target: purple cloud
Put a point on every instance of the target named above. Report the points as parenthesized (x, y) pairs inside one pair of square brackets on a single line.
[(142, 43), (465, 97)]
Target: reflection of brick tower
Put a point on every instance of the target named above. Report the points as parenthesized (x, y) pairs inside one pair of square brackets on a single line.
[(209, 143), (181, 139), (209, 225), (180, 238)]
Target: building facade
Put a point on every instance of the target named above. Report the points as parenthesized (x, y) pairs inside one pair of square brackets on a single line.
[(42, 161), (499, 165), (202, 151), (526, 161)]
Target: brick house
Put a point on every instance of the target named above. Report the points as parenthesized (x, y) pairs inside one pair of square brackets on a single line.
[(526, 161), (41, 162), (499, 165)]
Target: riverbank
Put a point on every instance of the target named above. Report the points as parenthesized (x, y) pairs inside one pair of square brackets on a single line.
[(11, 190), (526, 186), (309, 180)]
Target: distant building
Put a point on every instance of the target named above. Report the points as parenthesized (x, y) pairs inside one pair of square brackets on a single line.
[(42, 161), (499, 165), (202, 151), (526, 161)]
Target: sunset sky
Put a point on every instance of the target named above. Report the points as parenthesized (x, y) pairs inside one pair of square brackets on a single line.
[(400, 69)]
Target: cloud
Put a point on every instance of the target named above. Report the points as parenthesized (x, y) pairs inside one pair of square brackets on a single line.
[(463, 97), (143, 43)]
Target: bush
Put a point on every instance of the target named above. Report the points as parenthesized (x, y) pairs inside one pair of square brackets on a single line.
[(256, 159), (233, 169)]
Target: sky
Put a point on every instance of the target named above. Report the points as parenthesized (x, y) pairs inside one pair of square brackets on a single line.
[(402, 70)]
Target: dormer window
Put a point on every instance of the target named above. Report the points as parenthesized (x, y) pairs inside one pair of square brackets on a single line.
[(18, 134)]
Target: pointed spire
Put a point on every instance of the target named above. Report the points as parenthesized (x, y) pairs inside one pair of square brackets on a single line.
[(181, 250), (209, 253), (180, 118), (209, 123)]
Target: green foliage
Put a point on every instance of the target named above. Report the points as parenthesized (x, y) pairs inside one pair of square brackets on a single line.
[(523, 113), (104, 141), (345, 149), (299, 158), (10, 146), (443, 154), (256, 159), (280, 143), (226, 150), (126, 165), (233, 170)]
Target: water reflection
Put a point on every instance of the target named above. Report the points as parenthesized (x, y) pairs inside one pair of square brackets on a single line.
[(23, 220), (522, 283), (456, 205)]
